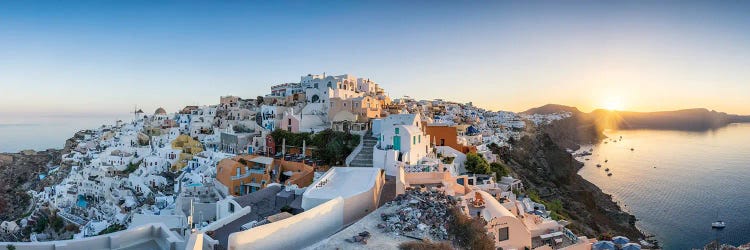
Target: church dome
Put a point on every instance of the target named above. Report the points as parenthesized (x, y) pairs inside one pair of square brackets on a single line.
[(160, 111)]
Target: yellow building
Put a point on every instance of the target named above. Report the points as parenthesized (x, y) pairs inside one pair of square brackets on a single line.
[(188, 147)]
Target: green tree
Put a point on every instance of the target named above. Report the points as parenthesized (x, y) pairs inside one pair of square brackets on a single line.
[(10, 247), (476, 164), (499, 169)]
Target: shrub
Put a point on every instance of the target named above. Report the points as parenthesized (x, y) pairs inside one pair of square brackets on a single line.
[(57, 223), (469, 232), (112, 228), (499, 169)]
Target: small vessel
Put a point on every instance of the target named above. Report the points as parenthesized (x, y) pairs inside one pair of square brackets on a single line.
[(605, 161), (609, 174), (718, 224), (598, 165), (587, 159), (607, 169), (632, 149)]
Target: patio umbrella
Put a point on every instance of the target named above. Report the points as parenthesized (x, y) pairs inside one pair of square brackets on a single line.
[(603, 245), (620, 240), (631, 246)]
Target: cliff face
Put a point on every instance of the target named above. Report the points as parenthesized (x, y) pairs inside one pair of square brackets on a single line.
[(542, 160), (19, 173), (552, 171), (569, 133)]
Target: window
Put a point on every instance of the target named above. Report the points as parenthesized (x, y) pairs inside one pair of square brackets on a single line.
[(419, 139), (238, 171), (396, 131), (502, 234), (414, 139)]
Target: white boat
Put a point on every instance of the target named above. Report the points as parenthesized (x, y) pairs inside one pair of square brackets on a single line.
[(718, 224)]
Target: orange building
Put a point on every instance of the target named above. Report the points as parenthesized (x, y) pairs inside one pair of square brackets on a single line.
[(444, 135), (245, 174)]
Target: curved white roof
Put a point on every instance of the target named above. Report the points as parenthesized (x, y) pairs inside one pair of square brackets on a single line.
[(493, 208), (341, 181)]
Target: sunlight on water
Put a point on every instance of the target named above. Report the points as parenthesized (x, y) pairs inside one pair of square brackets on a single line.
[(676, 183)]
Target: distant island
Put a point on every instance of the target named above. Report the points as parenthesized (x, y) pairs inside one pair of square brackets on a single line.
[(585, 128), (685, 119)]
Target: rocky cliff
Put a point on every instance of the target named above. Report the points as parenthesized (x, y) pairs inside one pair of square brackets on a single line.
[(19, 173), (551, 171)]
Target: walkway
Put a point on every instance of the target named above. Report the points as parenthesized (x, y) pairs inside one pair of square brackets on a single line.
[(364, 158)]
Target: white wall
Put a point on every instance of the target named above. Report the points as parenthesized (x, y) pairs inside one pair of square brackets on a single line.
[(157, 232), (386, 160), (228, 218), (296, 232)]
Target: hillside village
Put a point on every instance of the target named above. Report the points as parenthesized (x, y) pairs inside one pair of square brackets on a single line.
[(329, 161)]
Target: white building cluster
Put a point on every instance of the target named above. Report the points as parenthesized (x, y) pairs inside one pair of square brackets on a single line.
[(162, 168)]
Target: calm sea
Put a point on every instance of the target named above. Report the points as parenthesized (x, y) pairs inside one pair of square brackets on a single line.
[(42, 132), (676, 183)]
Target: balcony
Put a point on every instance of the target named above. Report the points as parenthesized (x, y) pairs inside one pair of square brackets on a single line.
[(249, 172)]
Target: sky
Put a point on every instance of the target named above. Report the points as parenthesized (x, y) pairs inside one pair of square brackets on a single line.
[(106, 57)]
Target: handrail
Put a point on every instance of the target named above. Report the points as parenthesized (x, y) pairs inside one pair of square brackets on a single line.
[(356, 150)]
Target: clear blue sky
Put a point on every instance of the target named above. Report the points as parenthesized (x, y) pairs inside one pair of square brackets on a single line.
[(107, 56)]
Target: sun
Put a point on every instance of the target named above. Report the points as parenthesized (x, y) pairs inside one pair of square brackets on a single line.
[(613, 103)]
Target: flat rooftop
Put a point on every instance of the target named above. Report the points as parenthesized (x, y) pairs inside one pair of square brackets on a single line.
[(343, 181), (262, 160)]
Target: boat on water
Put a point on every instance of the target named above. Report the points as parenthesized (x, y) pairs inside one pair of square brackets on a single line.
[(605, 161), (598, 165), (718, 224), (632, 149), (607, 169), (609, 174)]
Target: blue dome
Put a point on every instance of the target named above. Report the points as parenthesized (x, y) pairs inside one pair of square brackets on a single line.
[(472, 130)]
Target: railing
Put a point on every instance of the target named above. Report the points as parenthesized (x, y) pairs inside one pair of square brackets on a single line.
[(356, 150), (248, 172)]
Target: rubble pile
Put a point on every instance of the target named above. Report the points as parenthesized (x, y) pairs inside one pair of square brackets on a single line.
[(419, 214)]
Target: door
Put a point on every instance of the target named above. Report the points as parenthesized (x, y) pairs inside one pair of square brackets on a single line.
[(397, 142)]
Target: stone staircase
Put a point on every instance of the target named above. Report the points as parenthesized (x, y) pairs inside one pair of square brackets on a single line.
[(364, 158)]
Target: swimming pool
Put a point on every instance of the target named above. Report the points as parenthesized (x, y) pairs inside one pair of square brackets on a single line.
[(82, 201)]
